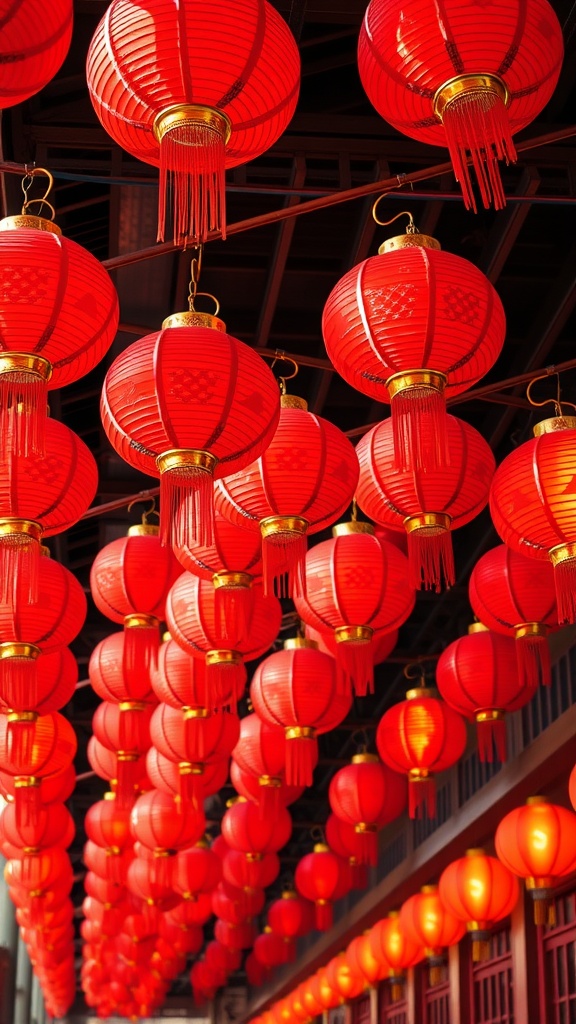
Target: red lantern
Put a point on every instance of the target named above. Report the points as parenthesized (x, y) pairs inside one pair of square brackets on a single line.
[(261, 753), (235, 936), (345, 842), (107, 824), (426, 921), (108, 863), (297, 689), (222, 960), (244, 828), (477, 676), (537, 842), (108, 764), (192, 911), (52, 748), (311, 997), (182, 680), (290, 917), (27, 69), (328, 998), (344, 978), (129, 580), (236, 905), (225, 104), (39, 871), (125, 730), (164, 827), (192, 738), (113, 678), (367, 795), (426, 503), (56, 678), (202, 405), (182, 940), (272, 949), (532, 505), (420, 736), (264, 790), (256, 973), (362, 960), (250, 870), (197, 870), (480, 891), (392, 946), (356, 585), (144, 882), (320, 878), (516, 596), (173, 778), (54, 826), (192, 621), (204, 982), (301, 484), (53, 331), (464, 78), (411, 326)]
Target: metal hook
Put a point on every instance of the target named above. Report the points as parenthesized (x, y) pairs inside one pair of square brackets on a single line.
[(148, 512), (281, 357), (415, 670), (195, 271), (556, 402), (317, 834), (27, 181), (411, 227), (363, 735)]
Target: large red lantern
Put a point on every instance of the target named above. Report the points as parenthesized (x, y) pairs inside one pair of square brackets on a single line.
[(465, 78), (27, 68), (202, 405), (412, 326), (537, 842), (224, 104), (125, 730), (129, 580), (193, 738), (427, 504), (356, 586), (193, 624), (113, 677), (51, 749), (420, 736), (301, 484), (54, 826), (244, 828), (515, 596), (393, 946), (428, 923), (321, 877), (297, 689), (163, 827), (362, 960), (56, 678), (367, 795), (477, 675), (533, 508), (479, 890)]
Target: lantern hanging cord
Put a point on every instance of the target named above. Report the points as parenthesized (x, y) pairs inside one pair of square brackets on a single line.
[(556, 401), (195, 271), (411, 228), (27, 182), (281, 357), (152, 511)]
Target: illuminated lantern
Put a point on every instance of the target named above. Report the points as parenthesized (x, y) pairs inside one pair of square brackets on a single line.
[(356, 584), (244, 828), (345, 842), (344, 978), (264, 790), (479, 890), (367, 795), (125, 730), (477, 675), (202, 405), (173, 778), (193, 624), (572, 787), (320, 878), (427, 504), (52, 748), (393, 946), (465, 78), (537, 842), (362, 960), (250, 870), (272, 949), (421, 736), (27, 69), (311, 997), (533, 508), (56, 678), (193, 738), (53, 331), (300, 485), (290, 917), (183, 681), (261, 753), (411, 327), (129, 580), (113, 678), (328, 997), (297, 689), (225, 104), (233, 562), (428, 923)]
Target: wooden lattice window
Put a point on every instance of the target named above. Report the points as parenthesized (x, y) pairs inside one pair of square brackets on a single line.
[(558, 963), (391, 1012), (360, 1010), (436, 999), (492, 993)]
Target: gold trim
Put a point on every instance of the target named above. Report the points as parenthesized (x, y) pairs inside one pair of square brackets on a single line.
[(414, 379), (477, 627), (475, 851), (127, 756), (364, 828), (539, 882), (300, 643), (21, 527), (140, 620), (19, 649), (419, 774), (269, 781), (365, 759), (25, 362), (531, 629), (192, 318), (29, 221), (429, 890), (293, 402), (353, 634), (454, 88), (289, 894), (132, 705), (299, 732), (321, 848), (554, 424), (217, 657), (493, 715), (232, 579), (194, 713), (421, 691), (411, 240), (184, 114), (186, 458), (143, 530), (562, 553), (353, 527), (190, 767), (283, 524), (26, 782), (533, 801), (22, 716), (428, 520)]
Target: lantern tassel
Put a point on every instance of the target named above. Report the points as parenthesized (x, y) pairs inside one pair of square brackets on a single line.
[(21, 735), (397, 989), (533, 656), (356, 658), (324, 915), (367, 846), (192, 166), (268, 801), (19, 681), (187, 506), (195, 727), (477, 123), (191, 791), (421, 796), (128, 776), (23, 404), (27, 802), (419, 428), (301, 757), (435, 971), (128, 725), (114, 867), (544, 908), (491, 734), (226, 680), (233, 607), (19, 560), (141, 643), (283, 563), (565, 581), (430, 558), (162, 870)]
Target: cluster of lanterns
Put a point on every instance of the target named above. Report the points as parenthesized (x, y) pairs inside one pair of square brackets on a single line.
[(247, 474)]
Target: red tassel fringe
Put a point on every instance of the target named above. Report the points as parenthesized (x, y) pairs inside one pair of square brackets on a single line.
[(192, 166), (421, 796), (19, 683), (534, 664), (301, 757), (565, 580), (128, 777), (269, 801), (23, 404), (191, 791), (187, 507), (431, 559), (357, 660), (491, 739), (477, 124), (233, 607), (129, 728), (19, 559), (419, 429), (194, 732), (226, 681), (367, 848), (162, 870), (324, 916), (27, 802), (141, 645), (284, 563), (20, 745)]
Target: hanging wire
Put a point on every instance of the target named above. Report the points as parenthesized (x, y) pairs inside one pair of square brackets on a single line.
[(415, 671), (281, 357), (556, 401), (151, 511), (27, 182), (411, 228)]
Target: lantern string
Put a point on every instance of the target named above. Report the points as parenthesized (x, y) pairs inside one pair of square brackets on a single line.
[(281, 357), (195, 271)]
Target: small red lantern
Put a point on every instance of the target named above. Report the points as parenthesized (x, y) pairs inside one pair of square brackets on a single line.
[(479, 890), (290, 917), (393, 946), (532, 504), (192, 738), (345, 842), (197, 870), (297, 689), (264, 790), (192, 621), (428, 923), (165, 827), (421, 735), (429, 503), (537, 842), (244, 828), (320, 878), (256, 973), (362, 960), (477, 675), (465, 78), (344, 978), (192, 911), (226, 103), (235, 936), (301, 484), (367, 795), (356, 585), (52, 748), (311, 997), (271, 949), (108, 764), (250, 870)]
